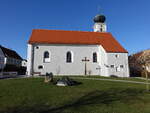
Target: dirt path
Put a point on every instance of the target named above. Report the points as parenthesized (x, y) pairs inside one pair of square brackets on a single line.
[(102, 79)]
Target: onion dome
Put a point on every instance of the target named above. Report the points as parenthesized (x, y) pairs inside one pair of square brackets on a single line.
[(99, 18)]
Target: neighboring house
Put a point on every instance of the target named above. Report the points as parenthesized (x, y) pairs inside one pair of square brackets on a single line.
[(9, 59), (77, 52), (2, 59), (136, 68)]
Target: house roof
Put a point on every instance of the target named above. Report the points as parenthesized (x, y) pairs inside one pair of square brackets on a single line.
[(109, 43), (10, 53)]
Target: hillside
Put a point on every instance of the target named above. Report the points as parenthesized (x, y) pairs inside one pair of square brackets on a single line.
[(32, 95)]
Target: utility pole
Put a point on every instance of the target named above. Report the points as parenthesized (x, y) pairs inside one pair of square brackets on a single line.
[(85, 60)]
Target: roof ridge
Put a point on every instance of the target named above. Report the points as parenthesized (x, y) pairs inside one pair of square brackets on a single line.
[(70, 31)]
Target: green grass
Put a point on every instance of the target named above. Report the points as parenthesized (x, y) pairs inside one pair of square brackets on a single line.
[(32, 95)]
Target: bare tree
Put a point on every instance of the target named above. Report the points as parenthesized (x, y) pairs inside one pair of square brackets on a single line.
[(144, 60)]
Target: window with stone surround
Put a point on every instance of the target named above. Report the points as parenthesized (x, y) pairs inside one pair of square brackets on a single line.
[(46, 57)]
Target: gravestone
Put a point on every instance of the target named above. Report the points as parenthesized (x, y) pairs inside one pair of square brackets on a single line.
[(48, 77), (66, 81)]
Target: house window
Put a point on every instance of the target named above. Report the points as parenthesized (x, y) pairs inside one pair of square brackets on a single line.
[(94, 57), (1, 60), (112, 66), (40, 67), (69, 57), (46, 56)]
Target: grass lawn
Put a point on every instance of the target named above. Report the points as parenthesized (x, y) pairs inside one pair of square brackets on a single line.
[(32, 95)]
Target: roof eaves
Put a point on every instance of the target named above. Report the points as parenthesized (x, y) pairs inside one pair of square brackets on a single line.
[(116, 51)]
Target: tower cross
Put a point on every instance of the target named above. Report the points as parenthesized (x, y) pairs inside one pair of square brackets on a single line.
[(85, 60)]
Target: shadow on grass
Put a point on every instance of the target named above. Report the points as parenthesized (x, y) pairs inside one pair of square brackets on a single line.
[(98, 97)]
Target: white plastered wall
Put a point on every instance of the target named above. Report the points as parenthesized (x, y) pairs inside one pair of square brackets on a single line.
[(29, 59), (58, 65), (118, 59)]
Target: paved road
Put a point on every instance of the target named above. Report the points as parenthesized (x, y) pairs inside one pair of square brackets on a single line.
[(102, 79)]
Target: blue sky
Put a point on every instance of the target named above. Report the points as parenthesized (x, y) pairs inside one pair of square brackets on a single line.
[(127, 20)]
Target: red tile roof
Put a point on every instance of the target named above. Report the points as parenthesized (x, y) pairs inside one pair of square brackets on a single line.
[(76, 37)]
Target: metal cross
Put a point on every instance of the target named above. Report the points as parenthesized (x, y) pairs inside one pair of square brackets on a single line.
[(98, 68), (85, 60)]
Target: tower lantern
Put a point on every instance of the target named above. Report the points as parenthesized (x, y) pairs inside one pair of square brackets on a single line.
[(100, 25)]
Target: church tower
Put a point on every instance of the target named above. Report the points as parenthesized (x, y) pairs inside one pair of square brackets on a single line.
[(100, 25)]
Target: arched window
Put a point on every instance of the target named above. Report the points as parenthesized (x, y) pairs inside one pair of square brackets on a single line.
[(94, 57), (68, 57), (101, 29), (46, 56)]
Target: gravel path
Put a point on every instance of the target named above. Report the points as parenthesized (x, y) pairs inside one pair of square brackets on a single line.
[(101, 79)]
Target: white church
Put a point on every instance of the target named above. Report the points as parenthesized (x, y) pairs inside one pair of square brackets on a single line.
[(77, 52)]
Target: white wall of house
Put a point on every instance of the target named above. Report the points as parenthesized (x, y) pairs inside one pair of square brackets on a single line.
[(118, 64), (2, 59)]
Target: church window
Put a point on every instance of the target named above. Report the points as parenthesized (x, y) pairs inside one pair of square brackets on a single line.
[(112, 66), (46, 56), (68, 57), (101, 29), (37, 47), (121, 66), (116, 55), (94, 57)]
